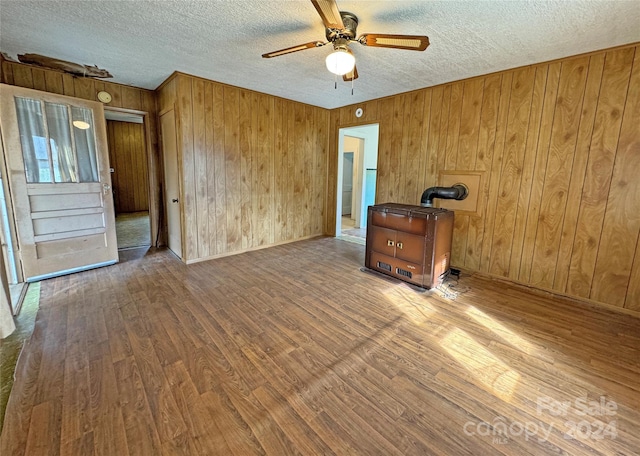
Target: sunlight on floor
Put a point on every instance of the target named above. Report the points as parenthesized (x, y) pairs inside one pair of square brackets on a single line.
[(501, 331), (483, 365)]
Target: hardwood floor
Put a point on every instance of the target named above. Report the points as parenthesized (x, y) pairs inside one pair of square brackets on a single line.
[(294, 350)]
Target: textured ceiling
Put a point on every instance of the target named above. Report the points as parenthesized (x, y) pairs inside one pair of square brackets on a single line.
[(142, 42)]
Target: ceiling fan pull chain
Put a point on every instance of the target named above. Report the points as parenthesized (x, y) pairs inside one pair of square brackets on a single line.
[(352, 85), (335, 81)]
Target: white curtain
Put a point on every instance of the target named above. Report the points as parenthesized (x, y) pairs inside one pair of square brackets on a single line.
[(33, 138), (64, 164), (85, 145), (41, 158)]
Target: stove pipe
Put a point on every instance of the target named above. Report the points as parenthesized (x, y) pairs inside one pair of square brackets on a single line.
[(457, 192)]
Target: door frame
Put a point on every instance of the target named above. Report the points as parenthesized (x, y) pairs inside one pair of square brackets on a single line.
[(351, 130), (161, 140), (154, 204), (11, 215)]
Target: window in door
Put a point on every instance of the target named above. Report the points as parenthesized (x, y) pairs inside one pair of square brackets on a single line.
[(58, 142)]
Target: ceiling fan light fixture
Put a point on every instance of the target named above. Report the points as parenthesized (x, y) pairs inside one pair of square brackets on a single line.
[(340, 62)]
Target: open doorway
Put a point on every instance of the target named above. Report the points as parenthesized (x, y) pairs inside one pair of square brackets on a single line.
[(357, 167), (129, 178)]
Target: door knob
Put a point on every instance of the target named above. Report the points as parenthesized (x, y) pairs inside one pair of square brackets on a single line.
[(175, 200), (400, 245), (390, 242)]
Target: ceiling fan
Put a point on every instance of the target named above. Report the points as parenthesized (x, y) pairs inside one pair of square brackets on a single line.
[(341, 31)]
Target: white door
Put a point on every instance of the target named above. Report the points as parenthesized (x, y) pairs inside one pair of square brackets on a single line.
[(58, 168), (171, 183), (347, 183)]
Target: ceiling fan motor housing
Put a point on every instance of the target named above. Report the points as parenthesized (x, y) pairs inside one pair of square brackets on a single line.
[(350, 22)]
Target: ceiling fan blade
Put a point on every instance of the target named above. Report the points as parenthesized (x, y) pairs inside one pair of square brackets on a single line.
[(352, 75), (289, 50), (409, 42), (328, 11)]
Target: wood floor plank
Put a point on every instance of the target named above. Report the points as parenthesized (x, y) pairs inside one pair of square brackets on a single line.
[(295, 350), (140, 430)]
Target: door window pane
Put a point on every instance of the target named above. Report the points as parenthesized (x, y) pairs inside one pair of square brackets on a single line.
[(64, 163), (83, 131), (33, 139), (59, 146)]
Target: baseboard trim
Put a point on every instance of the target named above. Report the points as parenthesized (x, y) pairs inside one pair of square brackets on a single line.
[(548, 292), (251, 249)]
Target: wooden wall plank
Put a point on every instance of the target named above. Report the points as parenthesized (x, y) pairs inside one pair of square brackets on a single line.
[(167, 95), (128, 159), (470, 124), (22, 75), (466, 157), (186, 165), (453, 126), (332, 174), (219, 185), (279, 141), (246, 147), (7, 72), (426, 165), (537, 184), (297, 202), (84, 88), (385, 148), (155, 171), (307, 166), (484, 158), (403, 153), (209, 158), (622, 217), (38, 76), (511, 173), (256, 140), (444, 125), (68, 85), (130, 97), (233, 191), (604, 143), (265, 170), (412, 172), (433, 144), (589, 105), (321, 173), (200, 167), (573, 77), (395, 153), (116, 94), (53, 82), (289, 163), (528, 167)]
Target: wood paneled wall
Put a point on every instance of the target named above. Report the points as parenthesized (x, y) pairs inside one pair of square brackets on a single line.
[(128, 158), (253, 166), (560, 147), (125, 97)]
